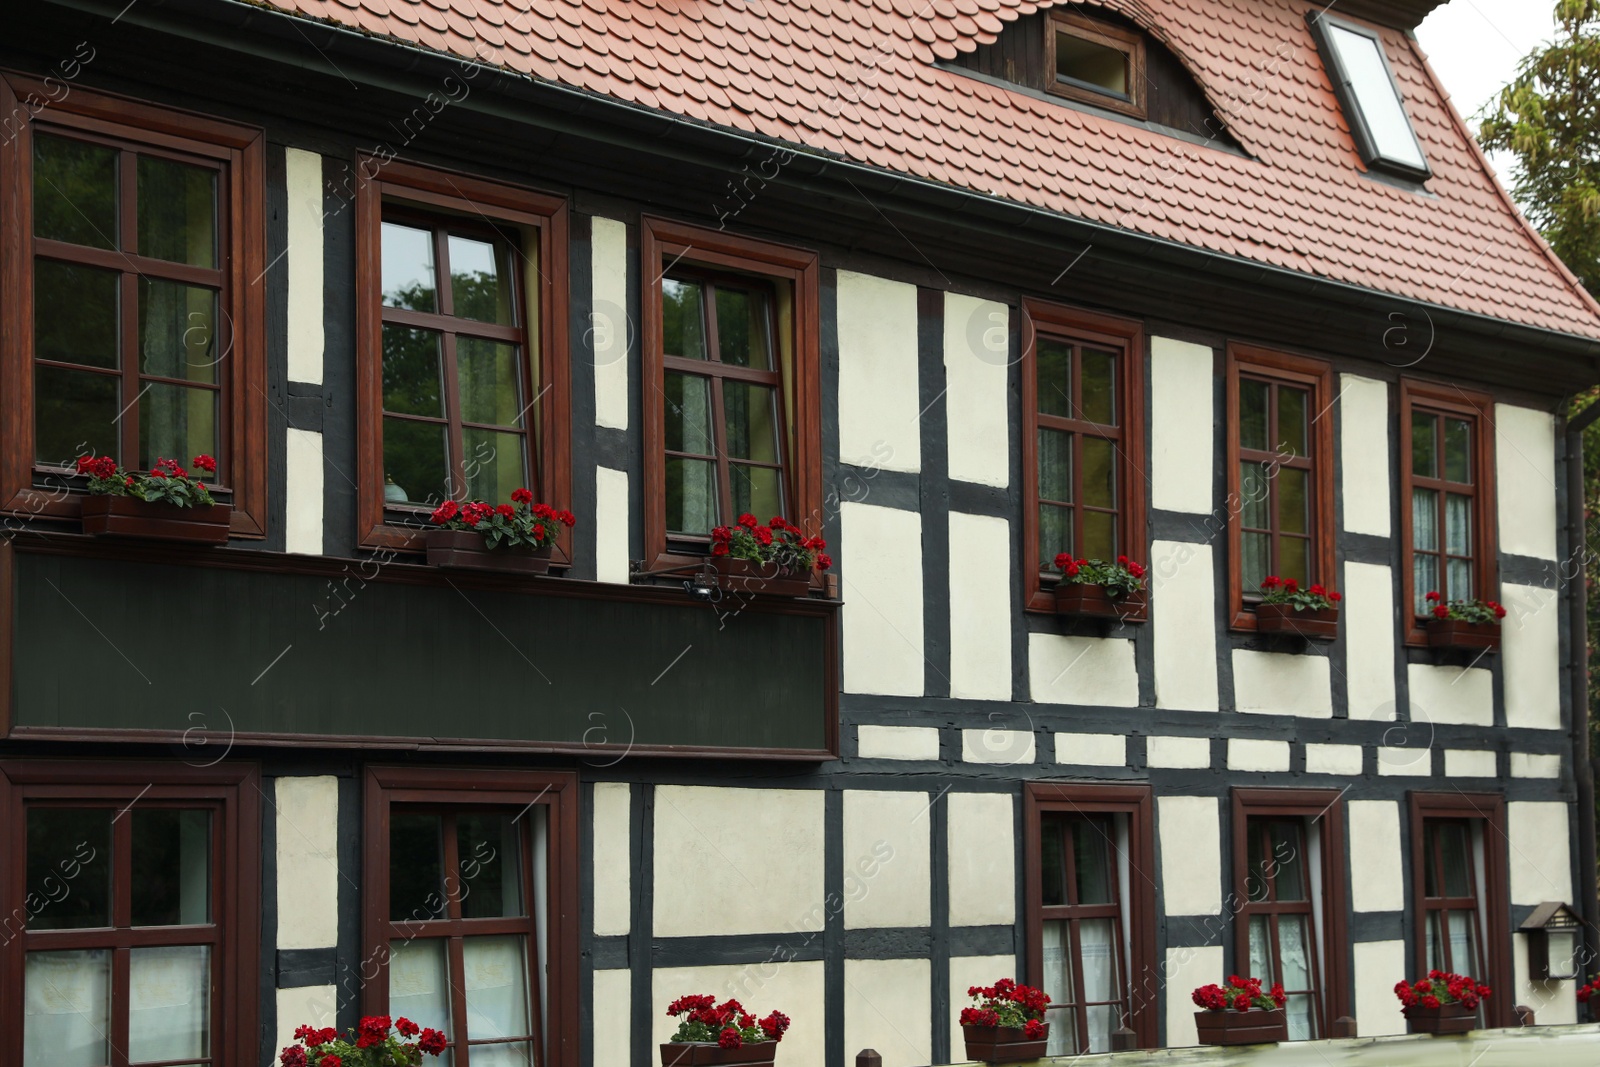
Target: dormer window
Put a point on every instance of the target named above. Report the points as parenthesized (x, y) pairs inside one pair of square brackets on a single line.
[(1097, 63), (1370, 97)]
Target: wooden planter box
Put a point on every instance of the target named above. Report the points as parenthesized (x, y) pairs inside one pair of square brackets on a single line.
[(697, 1053), (1091, 601), (1594, 1009), (1318, 625), (1455, 634), (1451, 1018), (1258, 1026), (750, 578), (1003, 1044), (127, 516), (466, 549)]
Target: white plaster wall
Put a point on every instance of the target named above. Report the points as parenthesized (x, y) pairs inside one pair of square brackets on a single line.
[(1182, 453), (306, 811), (980, 606), (1282, 684), (982, 859), (977, 350), (1531, 765), (1092, 750), (882, 606), (879, 405), (1098, 671), (1376, 881), (886, 859), (1448, 694), (1469, 763), (1540, 855), (1178, 752), (312, 1005), (613, 1000), (966, 972), (1370, 638), (1191, 854), (1530, 638), (792, 987), (1525, 462), (888, 1007), (1333, 759), (1364, 456), (1183, 617), (1185, 970), (1407, 753), (613, 864), (699, 872), (611, 525), (302, 531), (1011, 748), (303, 178), (897, 742), (1376, 965), (1247, 754), (1553, 1003), (610, 324)]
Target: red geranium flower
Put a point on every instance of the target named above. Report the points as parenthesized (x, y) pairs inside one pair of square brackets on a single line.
[(406, 1027), (293, 1056), (521, 496), (432, 1041), (748, 521), (205, 463)]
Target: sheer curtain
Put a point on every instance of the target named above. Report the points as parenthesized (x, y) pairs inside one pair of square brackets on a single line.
[(67, 1008)]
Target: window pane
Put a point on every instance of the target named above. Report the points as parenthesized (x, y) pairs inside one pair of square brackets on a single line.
[(169, 1003), (1294, 559), (1454, 859), (177, 212), (1298, 1013), (1424, 580), (1098, 940), (688, 413), (758, 490), (1057, 967), (1055, 466), (490, 381), (1261, 962), (416, 869), (74, 191), (1092, 64), (752, 431), (1052, 872), (75, 313), (496, 464), (496, 987), (1255, 501), (1460, 580), (1424, 444), (408, 270), (1099, 472), (1425, 520), (178, 330), (1054, 371), (1099, 386), (1253, 414), (69, 868), (1091, 847), (488, 847), (412, 374), (1288, 862), (1463, 942), (683, 319), (1458, 524), (691, 495), (1103, 1019), (1295, 947), (1099, 535), (1292, 421), (67, 1014), (171, 867), (509, 1054), (742, 328), (1375, 95), (419, 985), (1055, 533), (1436, 959), (482, 280), (1294, 501), (74, 414), (176, 422), (1458, 451), (1255, 548), (414, 461)]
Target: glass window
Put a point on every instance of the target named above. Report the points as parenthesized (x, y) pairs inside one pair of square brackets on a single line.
[(1450, 924), (1085, 973), (1091, 64), (1279, 914), (1079, 449), (1445, 557), (1371, 99), (1096, 62), (1277, 499)]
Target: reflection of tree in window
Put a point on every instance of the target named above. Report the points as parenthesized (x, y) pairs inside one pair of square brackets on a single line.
[(1275, 483)]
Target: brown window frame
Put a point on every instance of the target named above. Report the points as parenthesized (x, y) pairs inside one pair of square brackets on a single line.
[(468, 789), (667, 244), (1125, 336), (1477, 408), (1333, 995), (1129, 42), (1494, 934), (232, 791), (238, 152), (1316, 376), (1135, 803), (437, 195)]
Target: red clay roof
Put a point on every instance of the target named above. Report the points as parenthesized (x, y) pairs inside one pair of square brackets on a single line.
[(858, 78)]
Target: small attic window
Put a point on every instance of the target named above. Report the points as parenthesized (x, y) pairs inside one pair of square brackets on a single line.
[(1370, 96), (1097, 63)]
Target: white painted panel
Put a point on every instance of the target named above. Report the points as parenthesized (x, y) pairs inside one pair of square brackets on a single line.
[(1092, 750), (1530, 765), (611, 498), (1182, 452), (1410, 756), (1376, 882), (982, 859), (1450, 694), (613, 998), (610, 322), (882, 554), (980, 607), (897, 742), (1525, 460), (1377, 1009), (966, 972), (303, 178), (1281, 683), (1530, 637), (1191, 854), (1011, 748), (1187, 969), (1246, 754), (613, 864), (1333, 759), (306, 813), (1553, 1003), (1364, 456), (886, 858), (780, 983), (977, 351), (1370, 639), (888, 1007), (1178, 752), (1469, 763), (1540, 855), (1183, 620), (700, 872), (312, 1005), (302, 528), (879, 403), (1098, 671)]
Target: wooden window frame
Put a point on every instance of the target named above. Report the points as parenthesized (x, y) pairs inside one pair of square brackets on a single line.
[(1136, 804), (438, 193), (1325, 806), (239, 153), (1490, 810), (468, 788), (1478, 409), (1129, 42), (664, 243), (1125, 336), (1317, 376), (233, 790)]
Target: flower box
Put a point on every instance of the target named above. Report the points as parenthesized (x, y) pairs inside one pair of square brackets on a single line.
[(467, 550), (1454, 633), (1313, 624), (1451, 1018), (697, 1053), (1003, 1044), (126, 516), (1084, 600), (752, 577), (1258, 1026)]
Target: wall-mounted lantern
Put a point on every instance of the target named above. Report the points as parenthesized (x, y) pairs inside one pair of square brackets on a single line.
[(1554, 937)]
